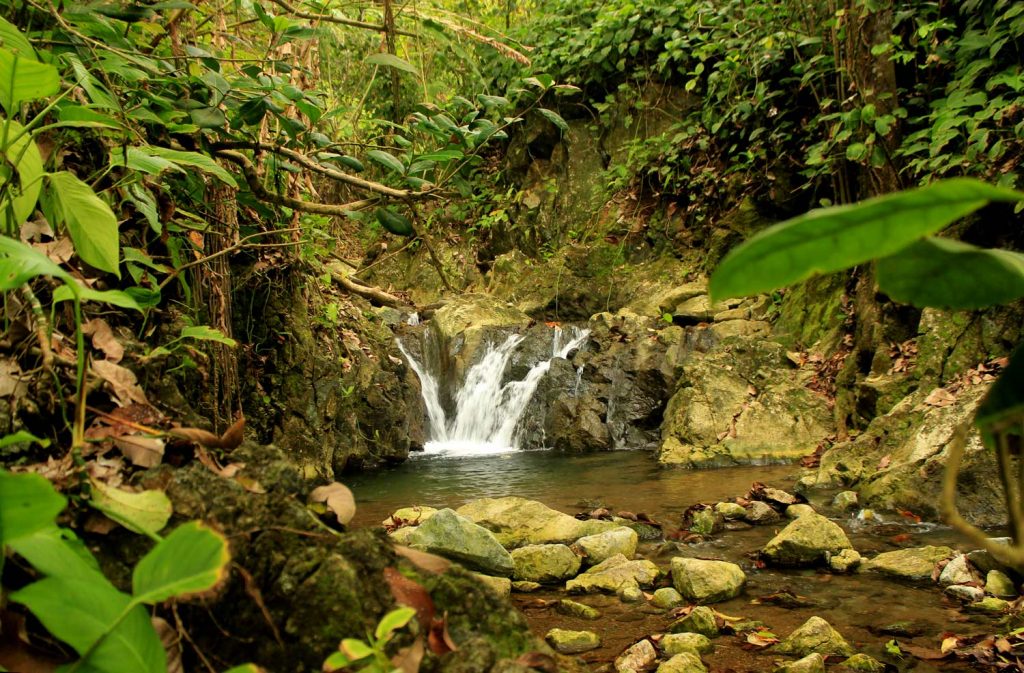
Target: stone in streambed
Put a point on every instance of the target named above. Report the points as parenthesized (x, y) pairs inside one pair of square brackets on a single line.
[(517, 521), (611, 575), (564, 641), (989, 604), (666, 598), (402, 535), (965, 593), (700, 620), (798, 510), (638, 657), (544, 563), (684, 662), (806, 540), (999, 584), (909, 564), (603, 546), (957, 571), (452, 536), (846, 501), (760, 514), (677, 643), (630, 594), (812, 663), (707, 581), (730, 510), (524, 587), (862, 663), (706, 522), (844, 561), (579, 610), (815, 636), (499, 586)]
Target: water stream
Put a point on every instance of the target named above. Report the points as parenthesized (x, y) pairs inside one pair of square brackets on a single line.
[(487, 410)]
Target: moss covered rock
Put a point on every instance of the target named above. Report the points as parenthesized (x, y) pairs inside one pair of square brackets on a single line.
[(806, 540), (707, 581), (677, 643), (517, 521), (815, 636), (916, 564), (572, 642), (812, 663), (545, 563), (603, 546), (456, 537), (700, 619), (613, 575), (684, 662)]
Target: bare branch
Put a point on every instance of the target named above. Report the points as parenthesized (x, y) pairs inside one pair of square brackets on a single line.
[(330, 18), (374, 294)]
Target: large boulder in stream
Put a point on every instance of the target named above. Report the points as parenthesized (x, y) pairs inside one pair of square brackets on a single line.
[(456, 537), (704, 581), (517, 521), (613, 576), (545, 563), (315, 588), (811, 538), (916, 564), (743, 401), (815, 636), (603, 546)]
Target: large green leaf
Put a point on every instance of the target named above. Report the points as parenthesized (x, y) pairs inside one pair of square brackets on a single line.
[(387, 160), (832, 239), (146, 512), (194, 159), (137, 159), (21, 157), (22, 78), (14, 40), (944, 273), (112, 297), (391, 61), (207, 333), (554, 118), (85, 615), (56, 551), (89, 220), (28, 504), (20, 263), (191, 560)]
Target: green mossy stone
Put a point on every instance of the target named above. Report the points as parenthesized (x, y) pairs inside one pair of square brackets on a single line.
[(564, 641), (815, 636), (700, 620)]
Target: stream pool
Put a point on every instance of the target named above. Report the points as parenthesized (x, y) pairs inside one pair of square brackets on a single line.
[(859, 606)]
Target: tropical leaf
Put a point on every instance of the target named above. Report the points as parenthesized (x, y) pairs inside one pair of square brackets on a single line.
[(554, 118), (89, 220), (391, 61), (23, 78), (388, 161), (145, 513), (191, 560), (21, 156), (112, 297), (194, 159), (20, 263), (206, 333), (28, 503), (833, 239)]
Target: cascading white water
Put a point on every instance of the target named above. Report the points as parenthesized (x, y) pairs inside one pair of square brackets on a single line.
[(487, 412)]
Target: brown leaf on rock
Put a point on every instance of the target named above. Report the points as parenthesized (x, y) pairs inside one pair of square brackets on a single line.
[(171, 641), (439, 639), (432, 563), (231, 438), (884, 461), (122, 382), (539, 661), (410, 593), (339, 500), (408, 659), (103, 339), (142, 451), (940, 397), (761, 638)]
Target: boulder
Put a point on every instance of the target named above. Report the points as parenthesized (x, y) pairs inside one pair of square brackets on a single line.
[(844, 561), (707, 581), (863, 663), (812, 663), (517, 521), (500, 586), (915, 564), (637, 657), (525, 587), (845, 501), (456, 537), (999, 584), (578, 610), (700, 619), (706, 522), (958, 571), (760, 514), (684, 662), (677, 643), (603, 546), (612, 575), (666, 598), (544, 563), (815, 636), (730, 510), (806, 540), (630, 593), (990, 604), (965, 593), (465, 324), (564, 641), (798, 510)]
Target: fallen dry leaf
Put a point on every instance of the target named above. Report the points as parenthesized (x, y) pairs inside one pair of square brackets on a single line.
[(412, 594), (12, 383), (884, 462), (339, 500), (140, 450), (231, 438), (432, 563), (940, 397), (408, 659), (122, 381), (103, 339), (172, 644), (761, 638)]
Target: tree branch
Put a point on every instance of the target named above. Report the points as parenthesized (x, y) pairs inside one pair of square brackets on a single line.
[(374, 294), (329, 18)]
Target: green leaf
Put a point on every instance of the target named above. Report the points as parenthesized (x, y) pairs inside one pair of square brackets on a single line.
[(388, 161), (21, 263), (356, 649), (245, 668), (442, 156), (85, 615), (391, 61), (14, 40), (208, 118), (832, 239), (21, 437), (554, 118), (336, 661), (145, 513), (944, 273), (400, 225), (89, 220), (1005, 399), (138, 160), (206, 333), (57, 551), (351, 162), (28, 503), (392, 621), (191, 560), (112, 297), (22, 78), (22, 155), (194, 159)]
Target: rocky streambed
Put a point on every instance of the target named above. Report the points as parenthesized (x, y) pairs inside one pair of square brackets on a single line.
[(760, 581)]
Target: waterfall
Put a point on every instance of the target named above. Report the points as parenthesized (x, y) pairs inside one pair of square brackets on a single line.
[(487, 412)]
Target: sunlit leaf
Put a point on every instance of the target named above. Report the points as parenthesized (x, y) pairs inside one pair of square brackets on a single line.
[(206, 333), (832, 239), (112, 297), (28, 503), (23, 78), (388, 161), (89, 220), (391, 61), (554, 118), (191, 560), (21, 155), (393, 621), (145, 513)]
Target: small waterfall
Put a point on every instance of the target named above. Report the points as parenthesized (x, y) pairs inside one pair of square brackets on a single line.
[(413, 319), (487, 412)]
